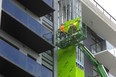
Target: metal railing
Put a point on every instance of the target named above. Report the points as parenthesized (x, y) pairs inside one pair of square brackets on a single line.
[(100, 46), (113, 50), (103, 11)]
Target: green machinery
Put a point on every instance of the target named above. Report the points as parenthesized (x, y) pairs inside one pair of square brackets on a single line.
[(92, 58), (69, 39), (75, 39)]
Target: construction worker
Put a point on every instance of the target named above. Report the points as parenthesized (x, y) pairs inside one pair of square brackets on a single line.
[(77, 24), (62, 28), (72, 28), (62, 31)]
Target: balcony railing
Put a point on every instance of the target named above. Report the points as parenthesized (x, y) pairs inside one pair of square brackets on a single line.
[(104, 11), (97, 47), (38, 7), (17, 23), (27, 20), (22, 61), (102, 46)]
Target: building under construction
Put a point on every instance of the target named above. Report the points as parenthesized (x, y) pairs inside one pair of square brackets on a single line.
[(33, 43)]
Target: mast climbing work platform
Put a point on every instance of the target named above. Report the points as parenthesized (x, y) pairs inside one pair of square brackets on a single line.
[(69, 36), (73, 32)]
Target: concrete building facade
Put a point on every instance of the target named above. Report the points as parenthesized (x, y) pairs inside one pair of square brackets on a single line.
[(100, 25), (28, 38)]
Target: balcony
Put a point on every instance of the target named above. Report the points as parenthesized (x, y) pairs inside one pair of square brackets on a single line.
[(23, 27), (99, 20), (105, 53), (38, 7), (98, 47), (15, 64)]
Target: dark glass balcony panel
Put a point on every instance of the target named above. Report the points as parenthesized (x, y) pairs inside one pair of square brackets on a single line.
[(25, 28), (14, 62), (9, 69), (98, 47), (38, 7), (46, 72)]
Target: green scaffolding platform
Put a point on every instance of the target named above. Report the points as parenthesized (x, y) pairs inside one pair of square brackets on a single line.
[(71, 39)]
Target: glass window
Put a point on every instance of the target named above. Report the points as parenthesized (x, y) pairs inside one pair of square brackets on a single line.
[(98, 43), (59, 12), (79, 57), (68, 12), (64, 12), (50, 52), (49, 16), (93, 49)]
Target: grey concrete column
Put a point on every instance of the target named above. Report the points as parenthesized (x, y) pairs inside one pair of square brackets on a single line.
[(55, 29)]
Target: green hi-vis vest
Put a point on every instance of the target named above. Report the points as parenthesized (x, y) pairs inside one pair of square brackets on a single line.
[(74, 21)]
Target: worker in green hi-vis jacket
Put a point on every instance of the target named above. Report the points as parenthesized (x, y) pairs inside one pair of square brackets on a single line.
[(77, 24), (74, 22), (74, 26)]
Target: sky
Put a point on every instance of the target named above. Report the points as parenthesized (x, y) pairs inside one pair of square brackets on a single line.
[(109, 5)]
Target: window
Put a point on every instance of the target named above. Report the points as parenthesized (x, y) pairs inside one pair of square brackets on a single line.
[(64, 12), (97, 47), (60, 19), (98, 43), (50, 53), (47, 59), (68, 9), (68, 12), (79, 58), (49, 16)]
